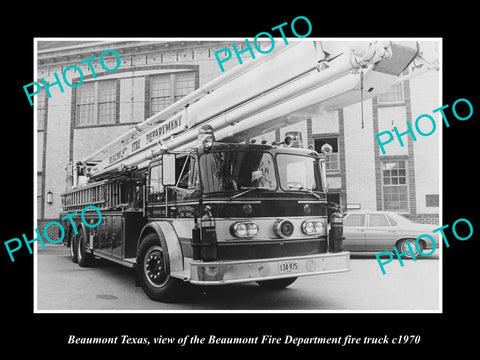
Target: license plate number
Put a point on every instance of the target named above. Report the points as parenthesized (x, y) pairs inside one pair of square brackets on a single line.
[(288, 267)]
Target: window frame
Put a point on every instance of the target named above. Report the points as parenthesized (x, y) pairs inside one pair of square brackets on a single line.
[(172, 89), (114, 102), (318, 182), (429, 198), (96, 104), (393, 102), (163, 197), (407, 184), (336, 154), (202, 170)]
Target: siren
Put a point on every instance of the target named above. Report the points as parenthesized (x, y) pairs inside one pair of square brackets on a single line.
[(293, 139), (326, 149), (206, 137)]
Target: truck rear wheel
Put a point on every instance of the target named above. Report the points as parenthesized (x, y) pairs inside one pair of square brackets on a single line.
[(153, 271), (277, 283), (83, 257), (73, 249)]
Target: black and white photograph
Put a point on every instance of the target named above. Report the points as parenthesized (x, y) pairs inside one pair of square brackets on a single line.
[(264, 174), (244, 182)]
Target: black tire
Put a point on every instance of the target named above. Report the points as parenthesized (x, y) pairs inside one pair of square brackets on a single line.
[(84, 258), (402, 247), (72, 247), (276, 283), (153, 271)]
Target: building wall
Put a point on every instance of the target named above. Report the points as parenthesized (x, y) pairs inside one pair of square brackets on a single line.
[(427, 149), (359, 155), (358, 181)]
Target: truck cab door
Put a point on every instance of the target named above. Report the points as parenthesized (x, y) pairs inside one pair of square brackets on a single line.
[(155, 192)]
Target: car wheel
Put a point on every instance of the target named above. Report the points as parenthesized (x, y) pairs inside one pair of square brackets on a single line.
[(402, 247), (276, 283), (153, 273)]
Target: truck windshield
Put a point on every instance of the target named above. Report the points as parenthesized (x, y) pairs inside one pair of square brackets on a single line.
[(297, 172), (237, 170)]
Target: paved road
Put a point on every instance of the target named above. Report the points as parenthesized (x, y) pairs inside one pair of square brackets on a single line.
[(63, 285)]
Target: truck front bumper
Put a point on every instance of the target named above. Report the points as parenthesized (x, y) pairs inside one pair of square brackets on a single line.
[(229, 272)]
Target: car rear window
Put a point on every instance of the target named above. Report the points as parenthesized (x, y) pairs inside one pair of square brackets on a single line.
[(354, 220), (377, 220)]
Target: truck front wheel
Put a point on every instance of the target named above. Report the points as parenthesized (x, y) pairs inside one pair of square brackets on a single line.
[(153, 271)]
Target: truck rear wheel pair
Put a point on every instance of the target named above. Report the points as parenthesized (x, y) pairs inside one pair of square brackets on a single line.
[(78, 251)]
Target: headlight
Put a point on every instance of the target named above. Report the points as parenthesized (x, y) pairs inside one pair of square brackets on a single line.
[(314, 227), (244, 229)]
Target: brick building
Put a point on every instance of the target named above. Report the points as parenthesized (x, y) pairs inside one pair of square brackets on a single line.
[(153, 74)]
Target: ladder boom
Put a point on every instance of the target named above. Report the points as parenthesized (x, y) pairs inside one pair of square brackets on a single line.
[(259, 95)]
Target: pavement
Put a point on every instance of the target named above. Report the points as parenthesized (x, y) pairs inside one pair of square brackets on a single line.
[(64, 286)]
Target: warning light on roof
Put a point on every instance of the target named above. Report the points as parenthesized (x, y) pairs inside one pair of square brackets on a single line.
[(206, 137)]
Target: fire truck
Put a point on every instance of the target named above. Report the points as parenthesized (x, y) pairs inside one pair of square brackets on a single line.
[(188, 196)]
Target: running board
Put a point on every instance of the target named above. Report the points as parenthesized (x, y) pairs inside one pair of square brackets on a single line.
[(128, 262)]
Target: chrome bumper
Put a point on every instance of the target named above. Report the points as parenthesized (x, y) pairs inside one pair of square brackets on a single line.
[(229, 272)]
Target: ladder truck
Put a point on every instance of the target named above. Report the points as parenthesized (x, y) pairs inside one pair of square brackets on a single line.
[(185, 197)]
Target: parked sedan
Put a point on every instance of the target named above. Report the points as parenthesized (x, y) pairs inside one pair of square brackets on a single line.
[(382, 230)]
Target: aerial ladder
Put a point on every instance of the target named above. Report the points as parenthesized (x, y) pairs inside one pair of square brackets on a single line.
[(185, 198)]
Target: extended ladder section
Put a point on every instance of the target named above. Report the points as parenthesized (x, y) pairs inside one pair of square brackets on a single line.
[(120, 193), (258, 96)]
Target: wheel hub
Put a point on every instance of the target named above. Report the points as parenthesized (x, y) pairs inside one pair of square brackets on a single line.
[(154, 267)]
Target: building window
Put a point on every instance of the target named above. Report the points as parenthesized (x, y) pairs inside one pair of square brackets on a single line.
[(432, 200), (333, 161), (184, 84), (85, 104), (96, 103), (395, 187), (165, 89), (107, 92), (160, 91), (41, 110), (393, 95)]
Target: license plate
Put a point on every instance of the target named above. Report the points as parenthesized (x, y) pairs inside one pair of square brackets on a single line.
[(288, 267)]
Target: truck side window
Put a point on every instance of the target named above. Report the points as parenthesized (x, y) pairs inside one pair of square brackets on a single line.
[(156, 191), (187, 177), (193, 180), (182, 171)]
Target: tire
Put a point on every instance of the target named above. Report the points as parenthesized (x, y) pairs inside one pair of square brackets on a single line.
[(83, 257), (277, 283), (402, 247), (153, 271), (72, 247)]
